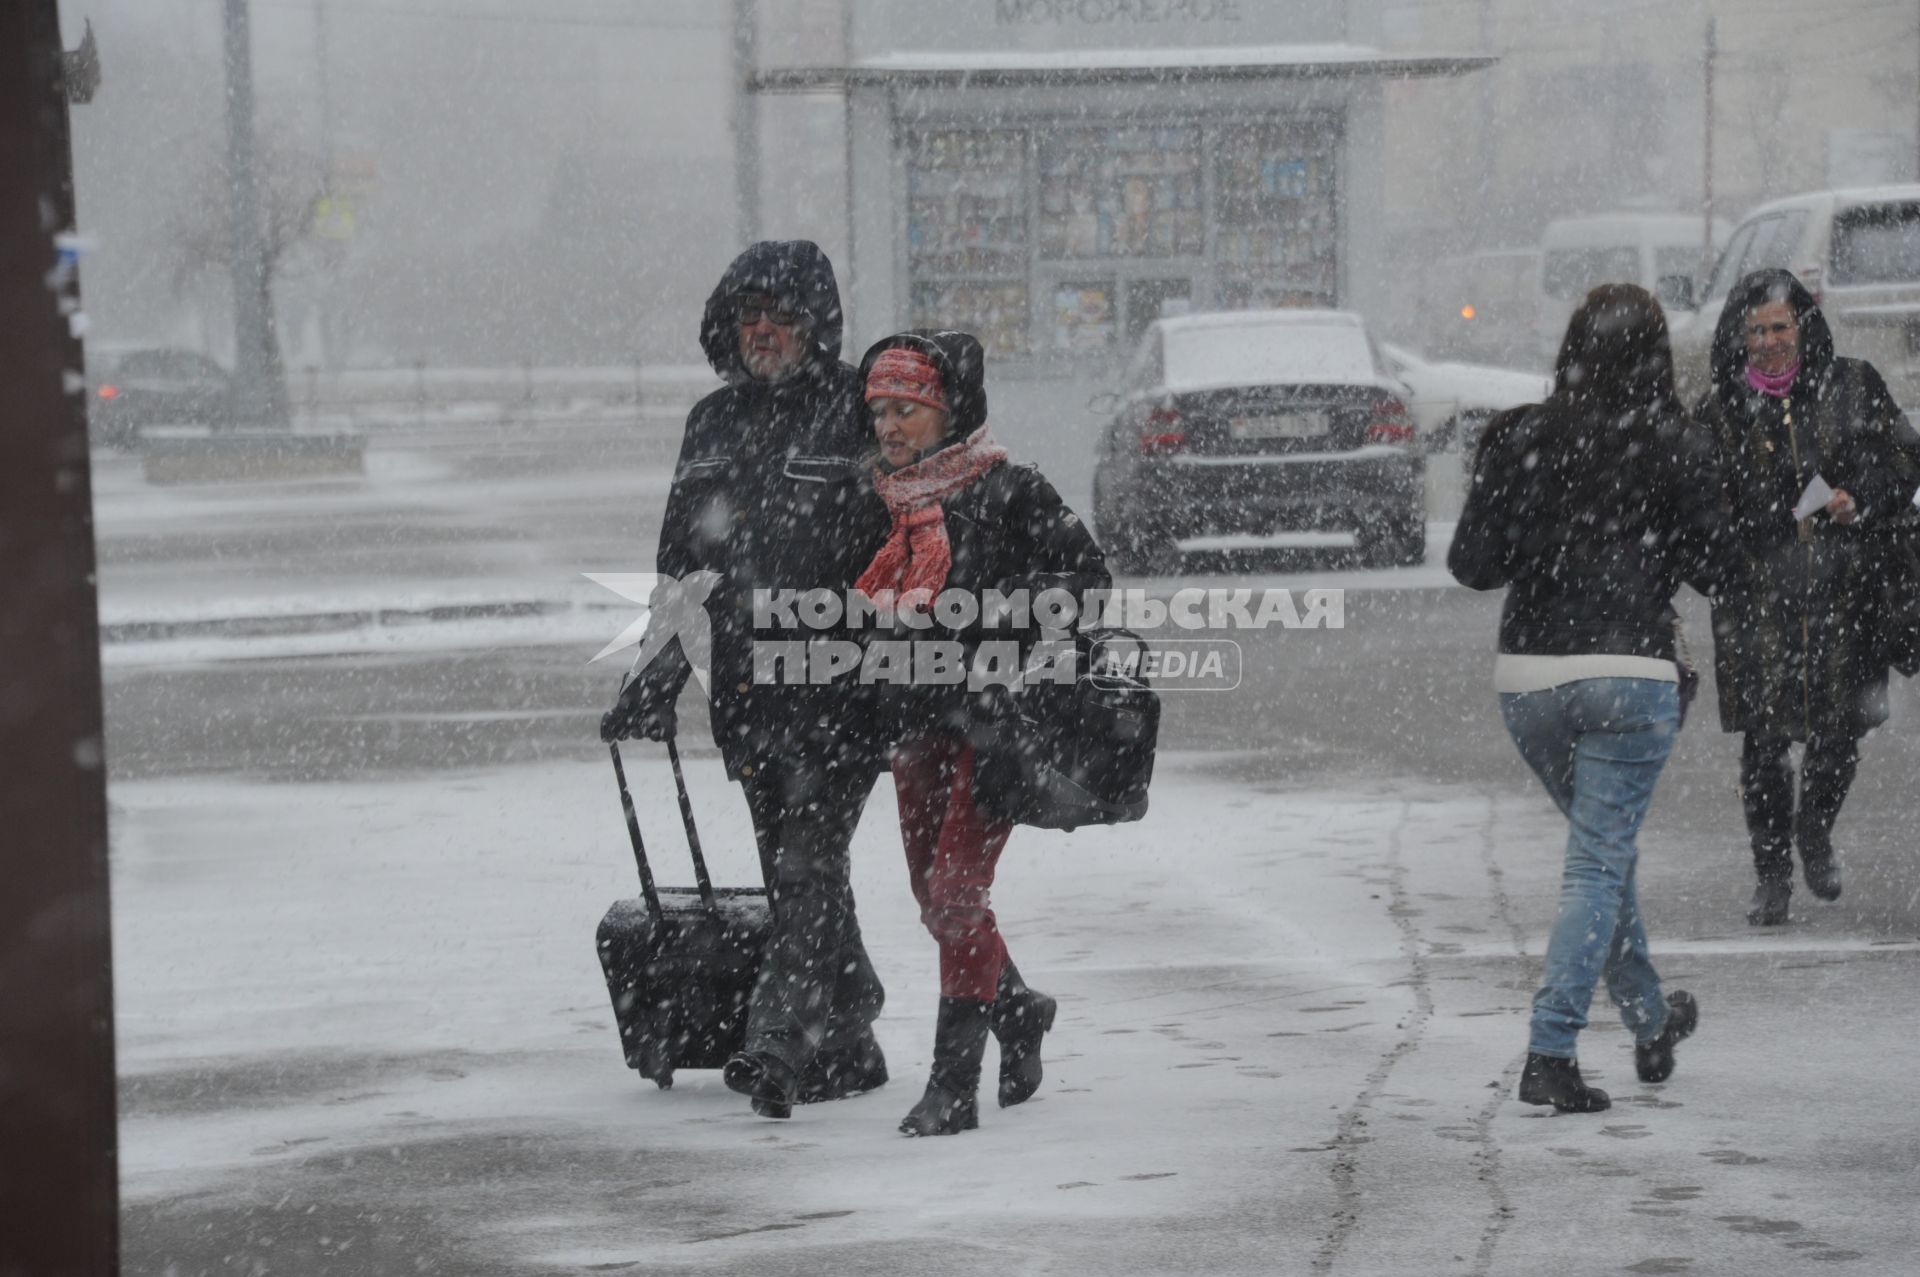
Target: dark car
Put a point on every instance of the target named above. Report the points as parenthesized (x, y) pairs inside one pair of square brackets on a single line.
[(132, 390), (1238, 429)]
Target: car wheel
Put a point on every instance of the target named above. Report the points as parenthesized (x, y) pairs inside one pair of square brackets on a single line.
[(1129, 556), (1411, 547), (114, 435), (1130, 551), (1396, 542)]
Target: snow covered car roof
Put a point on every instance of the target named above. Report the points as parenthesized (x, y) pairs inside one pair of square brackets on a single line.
[(1839, 198), (1224, 349), (1611, 229)]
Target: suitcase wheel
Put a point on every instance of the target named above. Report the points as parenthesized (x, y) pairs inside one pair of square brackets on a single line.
[(665, 1080)]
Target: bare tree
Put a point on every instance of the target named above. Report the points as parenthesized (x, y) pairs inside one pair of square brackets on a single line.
[(1767, 116), (292, 174)]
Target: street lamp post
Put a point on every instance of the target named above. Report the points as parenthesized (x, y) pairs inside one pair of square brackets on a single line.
[(1712, 54), (259, 395)]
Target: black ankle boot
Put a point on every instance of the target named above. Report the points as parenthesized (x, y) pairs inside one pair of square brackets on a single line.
[(1813, 834), (951, 1104), (1823, 875), (764, 1079), (1770, 897), (836, 1075), (1653, 1059), (1548, 1079), (1021, 1017)]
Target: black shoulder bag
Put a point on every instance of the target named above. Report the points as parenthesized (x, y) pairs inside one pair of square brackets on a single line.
[(1061, 753)]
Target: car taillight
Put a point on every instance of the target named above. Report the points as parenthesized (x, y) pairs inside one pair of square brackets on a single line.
[(1390, 423), (109, 392), (1163, 433)]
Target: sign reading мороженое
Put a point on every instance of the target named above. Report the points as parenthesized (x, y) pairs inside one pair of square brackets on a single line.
[(1098, 12)]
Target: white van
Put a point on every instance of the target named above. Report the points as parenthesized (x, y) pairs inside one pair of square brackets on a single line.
[(1857, 251), (1653, 250)]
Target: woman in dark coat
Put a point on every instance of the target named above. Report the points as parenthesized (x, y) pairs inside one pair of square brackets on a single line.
[(1591, 509), (1797, 650), (964, 520)]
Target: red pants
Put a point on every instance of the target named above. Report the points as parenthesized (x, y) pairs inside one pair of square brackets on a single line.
[(951, 853)]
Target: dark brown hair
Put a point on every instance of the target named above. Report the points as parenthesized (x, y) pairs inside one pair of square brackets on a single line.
[(1615, 359)]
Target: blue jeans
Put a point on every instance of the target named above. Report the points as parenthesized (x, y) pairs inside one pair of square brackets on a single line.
[(1598, 746)]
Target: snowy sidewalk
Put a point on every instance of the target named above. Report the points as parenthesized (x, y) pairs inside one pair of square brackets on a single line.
[(363, 1023)]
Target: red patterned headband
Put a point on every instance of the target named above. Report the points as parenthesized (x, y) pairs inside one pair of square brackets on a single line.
[(902, 373)]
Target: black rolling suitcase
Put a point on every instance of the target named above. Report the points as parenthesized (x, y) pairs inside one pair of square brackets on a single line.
[(680, 961)]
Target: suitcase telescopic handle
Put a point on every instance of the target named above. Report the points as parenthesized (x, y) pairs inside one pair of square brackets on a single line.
[(647, 890), (700, 875)]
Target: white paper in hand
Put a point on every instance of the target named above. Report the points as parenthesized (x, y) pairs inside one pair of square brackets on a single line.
[(1818, 493)]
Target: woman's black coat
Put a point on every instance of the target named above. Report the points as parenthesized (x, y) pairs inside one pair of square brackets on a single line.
[(1593, 523), (1798, 647), (1008, 530)]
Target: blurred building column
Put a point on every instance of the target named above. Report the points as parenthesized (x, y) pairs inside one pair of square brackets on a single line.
[(59, 1208)]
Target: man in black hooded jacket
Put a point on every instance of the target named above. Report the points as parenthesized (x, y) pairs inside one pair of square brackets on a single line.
[(770, 495)]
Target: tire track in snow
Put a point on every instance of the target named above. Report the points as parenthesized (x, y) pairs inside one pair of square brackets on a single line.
[(1349, 1133), (1486, 1147)]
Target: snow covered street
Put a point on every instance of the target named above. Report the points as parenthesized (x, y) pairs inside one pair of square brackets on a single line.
[(363, 1030), (1180, 413)]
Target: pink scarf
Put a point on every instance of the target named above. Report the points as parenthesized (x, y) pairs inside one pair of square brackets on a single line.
[(912, 566), (1776, 384)]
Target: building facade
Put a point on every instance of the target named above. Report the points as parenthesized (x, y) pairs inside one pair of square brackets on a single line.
[(1054, 175)]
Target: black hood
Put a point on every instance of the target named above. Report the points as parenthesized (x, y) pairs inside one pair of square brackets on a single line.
[(796, 274), (1730, 340), (963, 372)]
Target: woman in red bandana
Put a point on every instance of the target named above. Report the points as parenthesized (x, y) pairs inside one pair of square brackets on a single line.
[(964, 520)]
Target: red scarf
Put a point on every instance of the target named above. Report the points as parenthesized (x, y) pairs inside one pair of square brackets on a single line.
[(912, 566)]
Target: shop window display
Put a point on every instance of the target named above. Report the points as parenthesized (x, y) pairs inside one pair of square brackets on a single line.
[(1277, 230), (967, 233), (1083, 314), (1076, 237), (1129, 192), (994, 312)]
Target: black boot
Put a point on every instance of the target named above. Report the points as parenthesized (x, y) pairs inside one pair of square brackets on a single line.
[(1826, 775), (1653, 1059), (951, 1103), (1823, 875), (1548, 1079), (835, 1075), (763, 1078), (1766, 793), (1817, 862), (1021, 1018), (1770, 897)]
